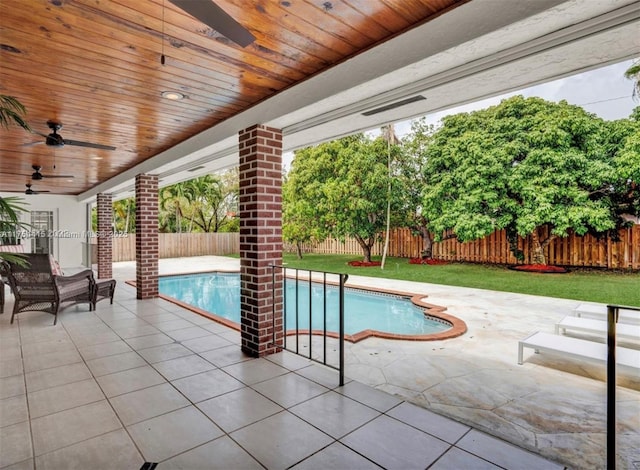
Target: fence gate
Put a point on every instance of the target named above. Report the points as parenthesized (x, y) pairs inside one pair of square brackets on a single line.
[(313, 315)]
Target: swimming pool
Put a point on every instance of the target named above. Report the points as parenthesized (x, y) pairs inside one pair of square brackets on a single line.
[(366, 312)]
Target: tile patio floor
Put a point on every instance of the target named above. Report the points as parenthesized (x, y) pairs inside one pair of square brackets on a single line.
[(149, 381)]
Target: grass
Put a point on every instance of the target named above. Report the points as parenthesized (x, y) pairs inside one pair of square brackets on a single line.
[(621, 288)]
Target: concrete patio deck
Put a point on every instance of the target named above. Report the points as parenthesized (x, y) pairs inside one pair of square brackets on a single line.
[(149, 381)]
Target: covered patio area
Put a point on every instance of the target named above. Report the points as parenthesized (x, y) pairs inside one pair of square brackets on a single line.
[(145, 367), (149, 99), (147, 381)]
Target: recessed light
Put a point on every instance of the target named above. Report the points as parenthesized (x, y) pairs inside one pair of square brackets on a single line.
[(96, 158), (172, 95)]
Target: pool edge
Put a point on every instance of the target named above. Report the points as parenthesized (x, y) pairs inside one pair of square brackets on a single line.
[(458, 326)]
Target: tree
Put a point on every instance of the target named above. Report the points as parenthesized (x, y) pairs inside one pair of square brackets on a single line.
[(409, 172), (124, 215), (622, 144), (389, 135), (212, 201), (522, 165), (170, 204), (208, 204), (633, 73), (299, 214), (345, 185)]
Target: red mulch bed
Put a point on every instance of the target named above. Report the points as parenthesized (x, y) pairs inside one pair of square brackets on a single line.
[(363, 264), (540, 268), (429, 261)]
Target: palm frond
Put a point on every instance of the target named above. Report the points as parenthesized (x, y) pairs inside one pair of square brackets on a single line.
[(12, 111)]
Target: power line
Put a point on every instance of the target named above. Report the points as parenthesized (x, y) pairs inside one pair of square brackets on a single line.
[(606, 101)]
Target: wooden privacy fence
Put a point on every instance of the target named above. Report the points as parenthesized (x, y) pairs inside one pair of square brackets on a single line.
[(573, 250), (178, 245)]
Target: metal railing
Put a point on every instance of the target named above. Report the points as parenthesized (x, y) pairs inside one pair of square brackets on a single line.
[(317, 284), (613, 313)]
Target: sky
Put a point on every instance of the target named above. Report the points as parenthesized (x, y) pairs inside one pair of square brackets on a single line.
[(603, 91)]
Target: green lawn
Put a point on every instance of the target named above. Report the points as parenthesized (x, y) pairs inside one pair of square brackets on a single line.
[(595, 286)]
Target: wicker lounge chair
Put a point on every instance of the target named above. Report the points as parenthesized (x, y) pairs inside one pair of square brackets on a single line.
[(18, 249), (103, 289), (39, 287)]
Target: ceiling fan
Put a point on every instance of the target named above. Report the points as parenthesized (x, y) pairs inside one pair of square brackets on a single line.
[(31, 191), (55, 140), (216, 18), (37, 176)]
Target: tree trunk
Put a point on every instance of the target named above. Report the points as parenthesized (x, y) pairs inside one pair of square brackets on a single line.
[(299, 250), (126, 222), (366, 248), (537, 250), (367, 253), (427, 242)]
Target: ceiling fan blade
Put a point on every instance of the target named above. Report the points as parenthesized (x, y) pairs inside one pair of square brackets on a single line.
[(30, 190), (57, 176), (216, 18), (78, 143), (40, 134)]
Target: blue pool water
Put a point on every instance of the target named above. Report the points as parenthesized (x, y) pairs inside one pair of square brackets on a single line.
[(219, 293)]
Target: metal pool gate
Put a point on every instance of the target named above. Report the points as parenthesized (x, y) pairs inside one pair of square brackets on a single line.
[(324, 281)]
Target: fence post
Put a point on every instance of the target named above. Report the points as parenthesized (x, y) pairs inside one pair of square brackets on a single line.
[(612, 319)]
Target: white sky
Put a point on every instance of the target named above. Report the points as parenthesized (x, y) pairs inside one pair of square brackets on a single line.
[(604, 91)]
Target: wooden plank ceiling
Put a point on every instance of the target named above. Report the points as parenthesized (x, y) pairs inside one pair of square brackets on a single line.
[(95, 67)]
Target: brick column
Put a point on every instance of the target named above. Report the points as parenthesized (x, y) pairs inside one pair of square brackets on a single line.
[(260, 239), (105, 235), (146, 236)]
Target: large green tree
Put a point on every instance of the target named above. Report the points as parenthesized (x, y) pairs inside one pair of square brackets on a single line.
[(522, 165), (346, 186), (622, 145), (409, 174), (299, 214)]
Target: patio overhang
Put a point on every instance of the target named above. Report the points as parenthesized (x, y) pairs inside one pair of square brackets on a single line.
[(470, 53)]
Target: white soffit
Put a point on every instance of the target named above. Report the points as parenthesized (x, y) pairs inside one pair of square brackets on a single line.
[(480, 49)]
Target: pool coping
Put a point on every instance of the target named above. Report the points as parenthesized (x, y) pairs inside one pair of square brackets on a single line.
[(433, 311)]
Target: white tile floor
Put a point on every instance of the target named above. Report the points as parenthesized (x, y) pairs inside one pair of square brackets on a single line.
[(146, 381)]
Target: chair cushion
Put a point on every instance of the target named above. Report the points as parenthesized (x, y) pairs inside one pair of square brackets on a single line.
[(55, 266), (32, 277), (74, 289), (12, 248), (39, 294)]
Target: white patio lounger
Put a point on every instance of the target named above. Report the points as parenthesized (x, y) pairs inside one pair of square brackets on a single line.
[(577, 349), (599, 312), (597, 327)]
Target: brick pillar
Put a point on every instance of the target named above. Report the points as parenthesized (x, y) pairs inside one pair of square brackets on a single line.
[(260, 239), (105, 236), (146, 236)]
